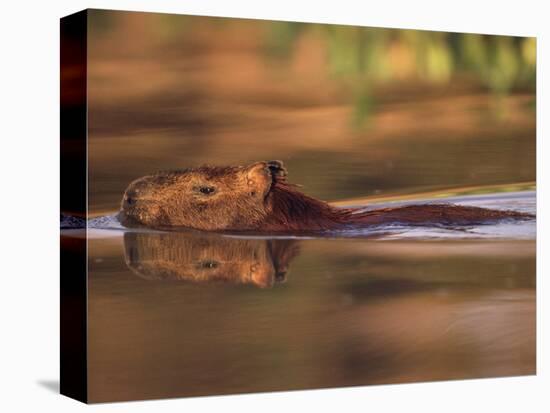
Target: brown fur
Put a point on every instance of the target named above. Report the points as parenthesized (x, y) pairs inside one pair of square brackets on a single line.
[(258, 198)]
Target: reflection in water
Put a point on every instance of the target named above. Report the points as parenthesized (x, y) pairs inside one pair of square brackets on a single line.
[(354, 312), (204, 257)]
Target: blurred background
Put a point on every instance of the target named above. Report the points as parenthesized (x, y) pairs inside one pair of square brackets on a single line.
[(352, 111)]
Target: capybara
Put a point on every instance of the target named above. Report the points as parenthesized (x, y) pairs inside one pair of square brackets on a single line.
[(259, 198)]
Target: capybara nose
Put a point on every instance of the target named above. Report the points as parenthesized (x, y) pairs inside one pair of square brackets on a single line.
[(130, 198), (137, 190), (127, 201)]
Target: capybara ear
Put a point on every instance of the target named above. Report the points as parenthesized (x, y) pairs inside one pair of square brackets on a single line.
[(277, 169), (259, 178)]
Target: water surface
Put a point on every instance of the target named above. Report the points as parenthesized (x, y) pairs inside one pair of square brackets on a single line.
[(191, 313)]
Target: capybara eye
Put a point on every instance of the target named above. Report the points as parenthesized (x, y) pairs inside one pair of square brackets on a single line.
[(207, 190), (130, 201), (209, 264)]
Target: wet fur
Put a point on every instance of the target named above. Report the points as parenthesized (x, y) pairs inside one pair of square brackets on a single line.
[(291, 210), (259, 198)]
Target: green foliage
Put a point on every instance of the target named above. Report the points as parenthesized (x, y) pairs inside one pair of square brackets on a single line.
[(170, 25), (434, 57), (364, 104), (496, 60), (281, 37), (360, 57)]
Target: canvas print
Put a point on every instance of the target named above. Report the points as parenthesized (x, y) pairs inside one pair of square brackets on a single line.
[(256, 206)]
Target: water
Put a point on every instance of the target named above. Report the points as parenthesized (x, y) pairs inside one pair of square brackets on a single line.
[(188, 313), (517, 201)]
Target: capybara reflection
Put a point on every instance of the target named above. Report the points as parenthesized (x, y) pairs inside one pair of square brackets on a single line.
[(258, 197), (202, 258)]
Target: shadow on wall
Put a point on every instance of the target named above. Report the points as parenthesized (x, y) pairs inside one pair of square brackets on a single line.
[(51, 385)]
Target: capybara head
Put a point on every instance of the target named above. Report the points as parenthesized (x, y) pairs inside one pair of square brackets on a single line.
[(205, 198)]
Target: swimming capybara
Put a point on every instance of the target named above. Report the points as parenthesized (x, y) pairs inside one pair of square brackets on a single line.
[(258, 198)]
